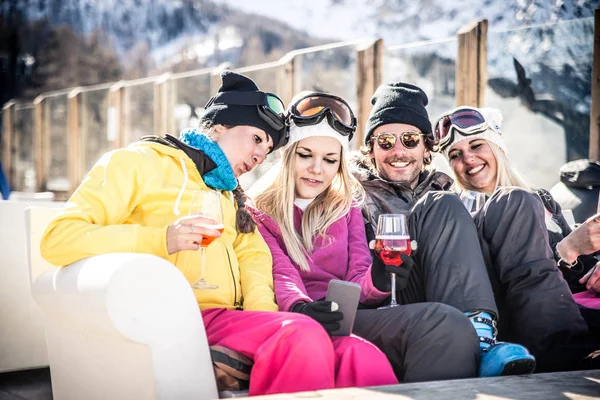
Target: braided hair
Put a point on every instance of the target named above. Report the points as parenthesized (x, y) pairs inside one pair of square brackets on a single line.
[(243, 220)]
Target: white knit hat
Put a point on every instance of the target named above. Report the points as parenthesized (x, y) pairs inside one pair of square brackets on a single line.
[(322, 129), (493, 133)]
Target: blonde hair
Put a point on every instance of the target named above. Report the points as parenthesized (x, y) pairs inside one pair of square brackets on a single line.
[(332, 204), (505, 175)]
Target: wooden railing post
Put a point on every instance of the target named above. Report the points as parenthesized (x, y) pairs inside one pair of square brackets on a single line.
[(369, 61), (115, 124), (595, 108), (75, 141), (169, 95), (163, 106), (8, 136), (125, 115), (471, 64), (287, 76), (41, 143)]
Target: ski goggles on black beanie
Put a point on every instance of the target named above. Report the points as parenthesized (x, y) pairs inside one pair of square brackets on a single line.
[(240, 102)]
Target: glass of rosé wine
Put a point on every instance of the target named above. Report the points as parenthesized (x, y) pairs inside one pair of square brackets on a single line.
[(472, 200), (206, 203), (391, 240)]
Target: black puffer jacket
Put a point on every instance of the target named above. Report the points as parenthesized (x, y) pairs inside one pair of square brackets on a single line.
[(385, 197)]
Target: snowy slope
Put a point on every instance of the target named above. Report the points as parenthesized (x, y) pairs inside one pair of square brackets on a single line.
[(165, 24), (403, 21)]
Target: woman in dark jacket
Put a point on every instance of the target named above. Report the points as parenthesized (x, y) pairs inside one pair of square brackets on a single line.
[(472, 142)]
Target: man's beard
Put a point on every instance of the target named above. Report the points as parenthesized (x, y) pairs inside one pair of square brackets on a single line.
[(411, 174)]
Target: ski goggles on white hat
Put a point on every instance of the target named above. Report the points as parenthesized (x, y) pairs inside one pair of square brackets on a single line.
[(314, 107), (466, 120)]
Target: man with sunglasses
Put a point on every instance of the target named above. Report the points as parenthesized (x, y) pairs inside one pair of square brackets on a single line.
[(448, 266)]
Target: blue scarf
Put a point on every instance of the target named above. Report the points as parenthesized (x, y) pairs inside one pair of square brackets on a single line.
[(220, 178)]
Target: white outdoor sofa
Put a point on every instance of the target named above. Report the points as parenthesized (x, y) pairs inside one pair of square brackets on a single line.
[(22, 340), (119, 326)]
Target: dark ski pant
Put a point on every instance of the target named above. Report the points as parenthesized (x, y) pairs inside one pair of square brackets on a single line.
[(450, 268), (535, 304), (501, 258), (428, 337), (422, 341)]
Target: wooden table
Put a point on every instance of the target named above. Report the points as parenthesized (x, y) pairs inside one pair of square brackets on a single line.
[(577, 385)]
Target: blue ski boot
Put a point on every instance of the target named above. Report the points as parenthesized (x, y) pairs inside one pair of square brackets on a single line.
[(498, 358)]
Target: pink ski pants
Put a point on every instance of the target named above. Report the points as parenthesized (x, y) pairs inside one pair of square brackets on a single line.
[(293, 352)]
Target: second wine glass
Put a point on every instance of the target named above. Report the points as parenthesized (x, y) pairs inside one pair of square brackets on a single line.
[(206, 203), (472, 200), (391, 240)]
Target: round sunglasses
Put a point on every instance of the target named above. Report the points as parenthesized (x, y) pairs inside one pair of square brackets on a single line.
[(387, 140)]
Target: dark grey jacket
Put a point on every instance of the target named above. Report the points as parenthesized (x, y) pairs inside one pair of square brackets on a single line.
[(385, 197)]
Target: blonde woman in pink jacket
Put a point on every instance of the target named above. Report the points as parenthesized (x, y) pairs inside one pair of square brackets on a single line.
[(310, 217)]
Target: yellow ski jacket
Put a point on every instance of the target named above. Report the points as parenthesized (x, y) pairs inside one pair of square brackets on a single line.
[(127, 202)]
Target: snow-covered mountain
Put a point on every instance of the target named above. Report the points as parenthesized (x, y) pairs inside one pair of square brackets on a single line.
[(128, 21), (166, 26), (169, 30), (404, 21)]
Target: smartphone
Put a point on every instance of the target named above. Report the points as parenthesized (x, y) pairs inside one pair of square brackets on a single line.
[(346, 295)]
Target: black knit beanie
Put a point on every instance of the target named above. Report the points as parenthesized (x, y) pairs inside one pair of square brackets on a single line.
[(235, 115), (400, 103)]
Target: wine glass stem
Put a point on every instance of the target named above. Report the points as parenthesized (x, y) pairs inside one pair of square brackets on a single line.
[(202, 262), (393, 302)]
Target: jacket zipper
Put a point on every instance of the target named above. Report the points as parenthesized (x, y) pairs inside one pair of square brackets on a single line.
[(235, 302)]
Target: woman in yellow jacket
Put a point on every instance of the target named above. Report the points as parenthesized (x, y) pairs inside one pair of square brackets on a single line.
[(137, 200)]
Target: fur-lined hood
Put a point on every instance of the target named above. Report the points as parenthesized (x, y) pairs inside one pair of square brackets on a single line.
[(360, 166)]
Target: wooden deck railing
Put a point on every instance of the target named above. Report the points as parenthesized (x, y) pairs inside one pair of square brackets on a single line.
[(125, 110)]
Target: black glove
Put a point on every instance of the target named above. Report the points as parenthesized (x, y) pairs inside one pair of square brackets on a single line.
[(380, 273), (321, 312)]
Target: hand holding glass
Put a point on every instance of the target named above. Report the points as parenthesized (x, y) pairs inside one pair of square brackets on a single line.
[(391, 240), (206, 203)]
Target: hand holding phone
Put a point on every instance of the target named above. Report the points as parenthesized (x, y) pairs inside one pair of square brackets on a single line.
[(347, 296), (324, 312)]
